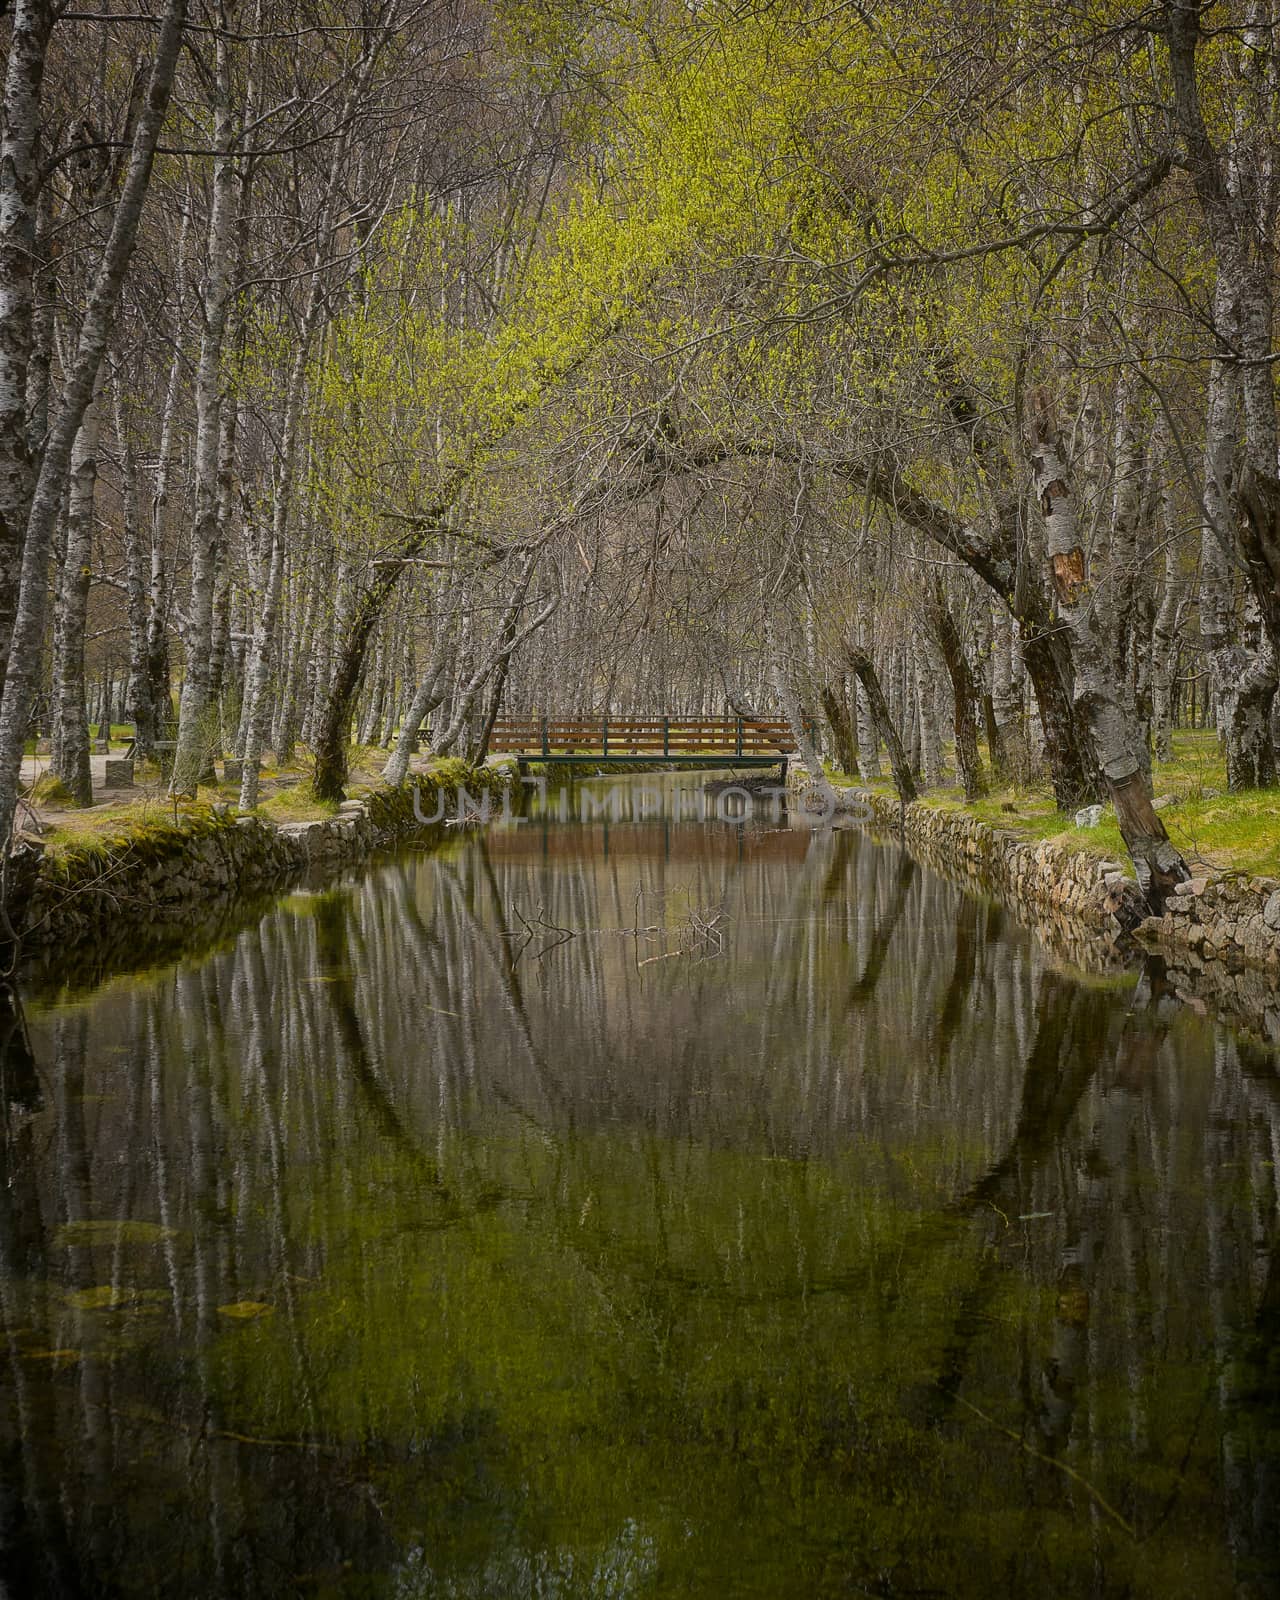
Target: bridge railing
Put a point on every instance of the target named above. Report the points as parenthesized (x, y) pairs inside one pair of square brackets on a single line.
[(641, 736)]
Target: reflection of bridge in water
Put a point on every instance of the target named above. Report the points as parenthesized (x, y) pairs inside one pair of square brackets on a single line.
[(674, 741)]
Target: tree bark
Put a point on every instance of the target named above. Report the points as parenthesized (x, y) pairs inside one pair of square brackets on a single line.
[(964, 690), (95, 330), (1242, 240), (72, 740), (1242, 665), (192, 755), (862, 666), (139, 706), (1158, 864), (426, 697), (1168, 616), (258, 673), (19, 149), (844, 733)]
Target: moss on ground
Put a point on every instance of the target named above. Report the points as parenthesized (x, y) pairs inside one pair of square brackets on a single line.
[(1213, 829), (140, 833), (151, 823), (296, 803)]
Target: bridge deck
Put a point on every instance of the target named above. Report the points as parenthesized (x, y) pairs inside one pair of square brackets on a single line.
[(674, 741)]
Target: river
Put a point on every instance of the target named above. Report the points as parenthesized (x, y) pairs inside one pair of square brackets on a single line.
[(655, 1206)]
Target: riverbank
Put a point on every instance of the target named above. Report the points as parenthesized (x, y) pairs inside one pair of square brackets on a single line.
[(133, 893), (1219, 940)]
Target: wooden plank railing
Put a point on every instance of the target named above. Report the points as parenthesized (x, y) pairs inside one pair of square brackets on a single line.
[(639, 736)]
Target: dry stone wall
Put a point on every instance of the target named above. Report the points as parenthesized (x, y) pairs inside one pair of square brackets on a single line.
[(1219, 938), (161, 874)]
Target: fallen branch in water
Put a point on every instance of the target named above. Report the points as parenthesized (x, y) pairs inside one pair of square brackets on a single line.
[(528, 934), (1063, 1466)]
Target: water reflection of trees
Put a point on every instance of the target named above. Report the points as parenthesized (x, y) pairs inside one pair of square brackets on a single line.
[(390, 1219)]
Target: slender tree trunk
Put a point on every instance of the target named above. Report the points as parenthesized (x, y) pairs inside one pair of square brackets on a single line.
[(931, 762), (95, 330), (506, 641), (1168, 617), (739, 701), (139, 707), (789, 700), (1240, 221), (258, 671), (1069, 765), (868, 735), (28, 45), (1242, 665), (72, 765), (964, 690), (284, 731), (257, 676), (844, 733), (191, 759)]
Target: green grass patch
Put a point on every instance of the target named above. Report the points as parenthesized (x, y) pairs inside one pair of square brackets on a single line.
[(49, 790), (147, 831), (1213, 829), (297, 803)]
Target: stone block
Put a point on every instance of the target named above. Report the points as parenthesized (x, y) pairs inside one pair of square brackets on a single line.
[(119, 772), (233, 771)]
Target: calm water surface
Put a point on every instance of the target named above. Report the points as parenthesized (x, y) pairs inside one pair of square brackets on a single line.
[(659, 1208)]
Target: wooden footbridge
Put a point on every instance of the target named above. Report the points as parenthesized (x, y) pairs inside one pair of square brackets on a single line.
[(645, 741)]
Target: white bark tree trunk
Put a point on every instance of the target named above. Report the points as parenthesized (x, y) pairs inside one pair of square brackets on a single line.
[(1158, 864), (19, 146), (192, 755), (72, 739), (95, 330)]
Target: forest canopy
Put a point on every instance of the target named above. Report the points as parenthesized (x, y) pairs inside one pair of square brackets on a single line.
[(903, 371)]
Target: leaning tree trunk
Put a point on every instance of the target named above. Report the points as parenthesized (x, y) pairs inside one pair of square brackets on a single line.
[(863, 668), (507, 640), (95, 330), (20, 153), (426, 697), (1157, 862), (964, 690)]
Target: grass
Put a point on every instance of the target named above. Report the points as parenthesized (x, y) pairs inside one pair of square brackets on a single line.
[(297, 803), (1213, 829), (105, 826), (143, 829), (49, 790)]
